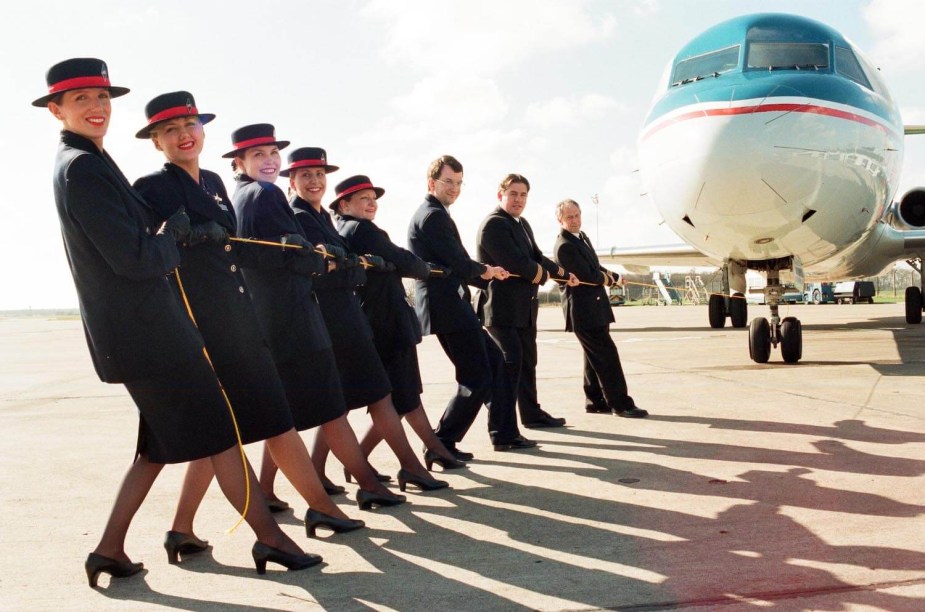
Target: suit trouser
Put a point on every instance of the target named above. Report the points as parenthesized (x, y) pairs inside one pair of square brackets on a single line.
[(518, 344), (604, 382), (481, 378)]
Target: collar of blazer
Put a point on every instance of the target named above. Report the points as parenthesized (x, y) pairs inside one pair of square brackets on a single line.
[(522, 232), (201, 201), (586, 251)]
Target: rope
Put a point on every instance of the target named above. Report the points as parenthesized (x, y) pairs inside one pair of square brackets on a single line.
[(326, 254), (234, 421)]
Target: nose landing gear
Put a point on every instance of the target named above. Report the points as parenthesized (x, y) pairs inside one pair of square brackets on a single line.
[(764, 334)]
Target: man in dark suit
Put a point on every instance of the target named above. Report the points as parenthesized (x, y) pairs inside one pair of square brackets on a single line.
[(588, 315), (443, 305), (510, 307)]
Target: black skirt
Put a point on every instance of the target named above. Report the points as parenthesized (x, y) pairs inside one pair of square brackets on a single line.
[(362, 376), (313, 389), (182, 414), (405, 375), (256, 394)]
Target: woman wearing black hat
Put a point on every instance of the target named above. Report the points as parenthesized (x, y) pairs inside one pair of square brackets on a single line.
[(363, 377), (396, 330), (136, 331), (213, 284), (280, 282)]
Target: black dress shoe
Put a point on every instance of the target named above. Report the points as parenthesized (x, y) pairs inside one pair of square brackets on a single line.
[(367, 499), (177, 543), (263, 553), (597, 408), (544, 421), (97, 564), (277, 505), (379, 477), (315, 519), (424, 483), (517, 443), (460, 455), (431, 457), (632, 413)]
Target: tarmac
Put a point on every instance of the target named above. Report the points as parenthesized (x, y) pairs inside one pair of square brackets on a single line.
[(772, 486)]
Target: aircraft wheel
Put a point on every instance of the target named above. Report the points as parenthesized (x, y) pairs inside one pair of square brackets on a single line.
[(738, 310), (791, 340), (817, 297), (759, 340), (913, 305), (716, 310)]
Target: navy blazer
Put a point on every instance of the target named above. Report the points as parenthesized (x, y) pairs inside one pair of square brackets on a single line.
[(337, 290), (282, 293), (210, 273), (503, 241), (395, 325), (134, 326), (584, 306), (443, 304)]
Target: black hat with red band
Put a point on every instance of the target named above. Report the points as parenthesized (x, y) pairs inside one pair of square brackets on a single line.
[(171, 106), (352, 185), (254, 135), (77, 73), (308, 157)]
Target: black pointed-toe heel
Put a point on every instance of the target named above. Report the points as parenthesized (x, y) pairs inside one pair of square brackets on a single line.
[(379, 477), (430, 458), (263, 553), (422, 482), (177, 543), (330, 488), (277, 505), (367, 499), (97, 564), (315, 519)]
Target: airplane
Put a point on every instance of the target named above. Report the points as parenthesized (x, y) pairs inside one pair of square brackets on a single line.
[(773, 144)]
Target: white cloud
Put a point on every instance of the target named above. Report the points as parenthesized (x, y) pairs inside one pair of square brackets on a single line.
[(454, 105), (897, 27), (481, 36), (567, 112)]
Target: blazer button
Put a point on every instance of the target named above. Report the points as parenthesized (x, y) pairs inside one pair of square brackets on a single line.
[(241, 289), (234, 268), (227, 248)]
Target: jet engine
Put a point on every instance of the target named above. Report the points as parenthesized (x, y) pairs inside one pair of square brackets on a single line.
[(909, 211)]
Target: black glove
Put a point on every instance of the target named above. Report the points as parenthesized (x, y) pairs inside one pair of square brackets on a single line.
[(177, 225), (436, 270), (379, 264), (297, 240), (351, 260), (335, 252), (210, 231)]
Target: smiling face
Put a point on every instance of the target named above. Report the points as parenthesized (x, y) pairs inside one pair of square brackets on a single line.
[(85, 112), (447, 186), (310, 184), (514, 199), (361, 205), (181, 140), (260, 163)]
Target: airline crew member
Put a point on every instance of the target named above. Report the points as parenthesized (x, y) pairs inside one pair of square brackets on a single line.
[(396, 331), (215, 288), (443, 306), (510, 307), (280, 283), (363, 378), (588, 314), (136, 331)]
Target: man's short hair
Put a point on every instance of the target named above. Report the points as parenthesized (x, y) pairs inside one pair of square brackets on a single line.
[(436, 166), (561, 206), (511, 179)]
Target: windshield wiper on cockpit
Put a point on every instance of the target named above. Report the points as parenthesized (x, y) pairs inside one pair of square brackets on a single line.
[(797, 67), (694, 79)]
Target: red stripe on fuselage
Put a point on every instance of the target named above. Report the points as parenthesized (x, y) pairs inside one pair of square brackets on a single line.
[(769, 108)]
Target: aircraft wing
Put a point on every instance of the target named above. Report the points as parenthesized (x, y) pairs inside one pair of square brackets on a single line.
[(914, 129), (676, 255)]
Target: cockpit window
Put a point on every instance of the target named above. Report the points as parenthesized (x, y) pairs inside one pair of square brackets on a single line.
[(846, 64), (787, 56), (706, 65)]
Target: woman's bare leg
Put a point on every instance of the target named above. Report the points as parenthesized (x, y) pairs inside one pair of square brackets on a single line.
[(132, 492), (289, 453), (199, 474), (386, 420), (343, 442), (268, 469)]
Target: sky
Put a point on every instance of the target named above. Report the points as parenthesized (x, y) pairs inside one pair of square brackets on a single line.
[(555, 90)]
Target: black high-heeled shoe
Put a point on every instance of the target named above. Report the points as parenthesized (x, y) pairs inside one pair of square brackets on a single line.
[(332, 489), (315, 519), (379, 477), (431, 457), (424, 483), (277, 505), (263, 553), (366, 499), (177, 543), (97, 564)]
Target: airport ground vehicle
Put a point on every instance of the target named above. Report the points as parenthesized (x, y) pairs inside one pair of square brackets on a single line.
[(852, 292), (819, 293)]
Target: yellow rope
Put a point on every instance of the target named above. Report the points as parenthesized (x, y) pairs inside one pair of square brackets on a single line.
[(234, 421)]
